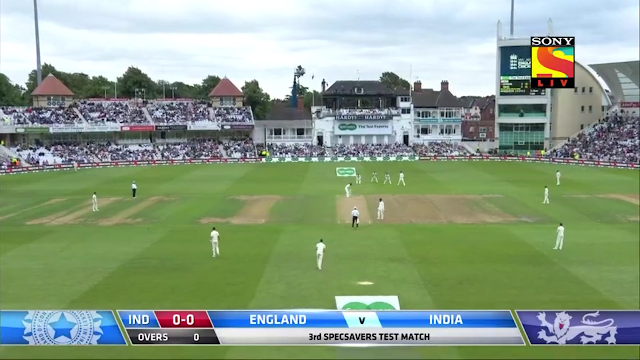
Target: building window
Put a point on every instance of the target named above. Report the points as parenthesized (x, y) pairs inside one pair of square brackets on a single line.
[(472, 129), (405, 111), (590, 89), (483, 129), (404, 99), (603, 108), (490, 128), (277, 132), (583, 89), (582, 108), (581, 126), (590, 109), (575, 90)]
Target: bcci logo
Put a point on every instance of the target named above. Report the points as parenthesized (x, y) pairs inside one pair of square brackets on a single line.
[(62, 327)]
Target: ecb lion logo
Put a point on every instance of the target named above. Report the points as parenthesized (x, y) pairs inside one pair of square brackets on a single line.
[(562, 331)]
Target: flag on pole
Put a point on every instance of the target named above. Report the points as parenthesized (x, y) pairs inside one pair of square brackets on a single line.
[(313, 76)]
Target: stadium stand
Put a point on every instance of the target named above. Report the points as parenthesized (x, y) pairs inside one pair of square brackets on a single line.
[(613, 139)]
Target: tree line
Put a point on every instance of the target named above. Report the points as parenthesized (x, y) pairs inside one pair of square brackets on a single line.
[(134, 83)]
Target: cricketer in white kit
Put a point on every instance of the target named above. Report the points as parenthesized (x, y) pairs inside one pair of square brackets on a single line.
[(374, 177), (94, 201), (358, 179), (387, 179), (546, 195), (558, 177), (75, 165), (559, 237), (215, 237), (401, 179), (347, 190), (381, 210), (320, 253)]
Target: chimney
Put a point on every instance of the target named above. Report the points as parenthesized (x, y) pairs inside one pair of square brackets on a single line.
[(324, 85), (417, 86), (300, 103), (444, 85)]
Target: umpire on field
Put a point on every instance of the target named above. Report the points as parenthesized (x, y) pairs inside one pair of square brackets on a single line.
[(134, 189), (355, 214)]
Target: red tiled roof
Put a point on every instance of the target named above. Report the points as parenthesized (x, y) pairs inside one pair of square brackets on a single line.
[(225, 88), (52, 86)]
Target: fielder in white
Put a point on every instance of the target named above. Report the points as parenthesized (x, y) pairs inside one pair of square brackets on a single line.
[(546, 195), (94, 201), (387, 179), (320, 253), (381, 210), (401, 179), (347, 190), (374, 177), (215, 237), (558, 177), (358, 179), (559, 237), (75, 165)]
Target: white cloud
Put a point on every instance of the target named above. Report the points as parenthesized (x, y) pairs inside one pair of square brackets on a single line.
[(190, 39)]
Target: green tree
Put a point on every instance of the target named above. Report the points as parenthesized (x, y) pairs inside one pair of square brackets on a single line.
[(209, 83), (46, 70), (135, 83), (255, 97), (100, 86), (309, 100), (12, 94), (393, 81)]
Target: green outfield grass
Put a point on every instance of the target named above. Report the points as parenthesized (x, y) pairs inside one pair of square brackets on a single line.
[(460, 235)]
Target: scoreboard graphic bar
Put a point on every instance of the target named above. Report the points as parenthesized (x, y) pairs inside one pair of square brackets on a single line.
[(320, 327)]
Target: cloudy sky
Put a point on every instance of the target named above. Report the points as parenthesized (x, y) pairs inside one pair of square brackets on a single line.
[(335, 39)]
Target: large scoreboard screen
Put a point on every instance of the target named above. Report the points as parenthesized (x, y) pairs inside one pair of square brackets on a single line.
[(518, 85)]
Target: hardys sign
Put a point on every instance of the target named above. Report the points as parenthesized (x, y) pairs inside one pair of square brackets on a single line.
[(363, 128), (364, 117)]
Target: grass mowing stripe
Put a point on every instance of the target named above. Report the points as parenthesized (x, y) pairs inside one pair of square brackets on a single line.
[(616, 263), (78, 257), (391, 269)]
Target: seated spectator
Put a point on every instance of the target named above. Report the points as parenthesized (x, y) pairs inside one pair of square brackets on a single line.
[(169, 112), (439, 148), (372, 150), (104, 111), (16, 115), (388, 111), (233, 114), (615, 138), (299, 150)]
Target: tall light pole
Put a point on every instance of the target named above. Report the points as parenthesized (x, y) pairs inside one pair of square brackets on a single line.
[(38, 62), (511, 23)]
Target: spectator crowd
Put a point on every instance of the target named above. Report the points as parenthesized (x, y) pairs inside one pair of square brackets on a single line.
[(69, 152), (299, 150), (372, 150), (613, 139), (128, 112)]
